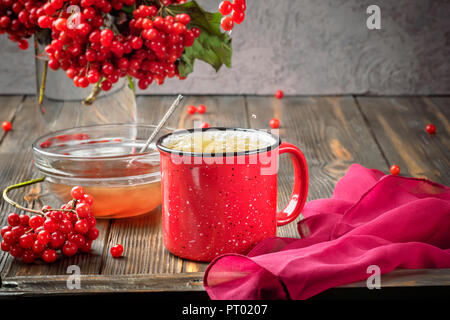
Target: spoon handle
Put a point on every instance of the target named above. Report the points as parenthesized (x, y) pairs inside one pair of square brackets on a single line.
[(162, 122)]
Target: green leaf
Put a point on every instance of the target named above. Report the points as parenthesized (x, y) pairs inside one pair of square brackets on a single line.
[(206, 48), (128, 10), (213, 46)]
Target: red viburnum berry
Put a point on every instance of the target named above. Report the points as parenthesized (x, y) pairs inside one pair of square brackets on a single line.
[(201, 109), (430, 128), (116, 250), (279, 94), (227, 23), (274, 123), (395, 170), (7, 126), (225, 8)]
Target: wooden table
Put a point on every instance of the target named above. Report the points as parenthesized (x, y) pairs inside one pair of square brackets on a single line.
[(333, 132)]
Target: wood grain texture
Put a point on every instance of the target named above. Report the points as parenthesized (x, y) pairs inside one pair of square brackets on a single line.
[(142, 237), (15, 164), (399, 126), (189, 282), (8, 107), (46, 285), (324, 128), (333, 133)]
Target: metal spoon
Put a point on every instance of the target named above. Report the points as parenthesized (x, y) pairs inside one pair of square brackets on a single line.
[(162, 122)]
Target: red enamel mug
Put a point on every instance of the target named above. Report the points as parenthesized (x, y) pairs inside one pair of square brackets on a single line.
[(225, 203)]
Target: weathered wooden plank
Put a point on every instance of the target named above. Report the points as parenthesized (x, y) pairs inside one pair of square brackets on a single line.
[(409, 278), (324, 128), (398, 124), (331, 133), (16, 166), (8, 107), (44, 285), (440, 107), (142, 237), (189, 282)]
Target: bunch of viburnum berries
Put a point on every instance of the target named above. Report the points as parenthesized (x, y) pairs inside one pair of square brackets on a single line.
[(70, 229), (100, 41)]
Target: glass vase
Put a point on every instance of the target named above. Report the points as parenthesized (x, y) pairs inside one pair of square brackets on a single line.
[(62, 105)]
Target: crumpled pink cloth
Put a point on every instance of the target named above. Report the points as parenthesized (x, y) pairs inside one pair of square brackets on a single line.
[(372, 219)]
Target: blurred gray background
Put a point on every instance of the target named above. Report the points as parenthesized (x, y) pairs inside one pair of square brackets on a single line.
[(308, 47)]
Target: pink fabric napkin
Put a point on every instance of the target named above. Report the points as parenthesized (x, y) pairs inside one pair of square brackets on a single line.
[(372, 219)]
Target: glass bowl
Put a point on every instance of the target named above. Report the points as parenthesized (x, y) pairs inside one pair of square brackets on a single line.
[(105, 161)]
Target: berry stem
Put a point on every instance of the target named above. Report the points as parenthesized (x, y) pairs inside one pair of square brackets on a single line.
[(94, 94), (131, 84), (18, 206), (21, 185), (43, 80)]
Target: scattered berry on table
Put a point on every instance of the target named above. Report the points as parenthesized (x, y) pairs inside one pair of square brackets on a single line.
[(274, 123), (279, 94), (191, 109), (117, 250), (395, 170), (7, 126), (201, 109), (431, 128)]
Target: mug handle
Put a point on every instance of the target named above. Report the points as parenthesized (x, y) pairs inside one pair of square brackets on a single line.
[(300, 189)]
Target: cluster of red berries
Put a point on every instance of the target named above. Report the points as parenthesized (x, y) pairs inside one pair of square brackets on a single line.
[(193, 109), (232, 12), (70, 229), (200, 109), (18, 18), (145, 46)]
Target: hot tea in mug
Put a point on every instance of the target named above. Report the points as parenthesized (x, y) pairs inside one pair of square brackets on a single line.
[(219, 190)]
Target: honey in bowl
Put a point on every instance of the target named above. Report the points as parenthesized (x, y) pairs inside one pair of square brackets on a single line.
[(103, 160), (121, 201)]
